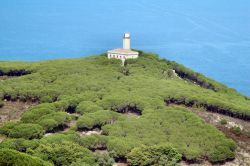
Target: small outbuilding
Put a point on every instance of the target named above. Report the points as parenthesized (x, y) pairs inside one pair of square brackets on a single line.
[(125, 52)]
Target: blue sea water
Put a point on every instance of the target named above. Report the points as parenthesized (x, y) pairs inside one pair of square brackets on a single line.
[(210, 36)]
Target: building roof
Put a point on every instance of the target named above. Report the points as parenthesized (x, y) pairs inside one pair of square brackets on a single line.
[(122, 51)]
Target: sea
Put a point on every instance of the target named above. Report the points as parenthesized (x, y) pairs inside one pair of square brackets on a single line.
[(209, 36)]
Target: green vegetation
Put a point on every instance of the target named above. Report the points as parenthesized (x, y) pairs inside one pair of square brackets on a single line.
[(63, 153), (1, 103), (96, 119), (154, 155), (104, 159), (236, 130), (248, 134), (46, 116), (20, 144), (12, 157), (223, 122), (171, 126), (22, 130), (130, 104)]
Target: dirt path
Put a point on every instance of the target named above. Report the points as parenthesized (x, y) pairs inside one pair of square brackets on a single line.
[(12, 110), (4, 77)]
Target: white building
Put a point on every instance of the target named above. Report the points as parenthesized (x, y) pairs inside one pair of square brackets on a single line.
[(125, 52)]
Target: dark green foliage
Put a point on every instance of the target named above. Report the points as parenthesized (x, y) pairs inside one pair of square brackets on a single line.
[(46, 116), (11, 157), (222, 152), (22, 130), (104, 159), (53, 120), (94, 142), (198, 78), (46, 99), (201, 140), (48, 124), (120, 146), (97, 119), (123, 104), (81, 163), (236, 130), (19, 144), (35, 113), (124, 71), (223, 121), (7, 128), (1, 103), (154, 155), (102, 92), (87, 106), (60, 138), (63, 153)]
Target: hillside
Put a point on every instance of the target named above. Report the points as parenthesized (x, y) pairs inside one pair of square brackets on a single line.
[(91, 111)]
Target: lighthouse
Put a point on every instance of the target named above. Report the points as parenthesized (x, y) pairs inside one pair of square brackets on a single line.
[(125, 52), (126, 41)]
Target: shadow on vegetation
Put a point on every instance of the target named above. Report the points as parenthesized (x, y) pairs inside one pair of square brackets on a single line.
[(210, 108), (128, 109), (71, 109), (15, 72), (57, 129), (194, 79), (85, 129)]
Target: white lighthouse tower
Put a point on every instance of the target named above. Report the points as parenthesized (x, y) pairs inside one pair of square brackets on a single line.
[(126, 41), (125, 52)]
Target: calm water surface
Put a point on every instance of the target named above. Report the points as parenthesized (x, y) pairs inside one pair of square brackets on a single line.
[(210, 36)]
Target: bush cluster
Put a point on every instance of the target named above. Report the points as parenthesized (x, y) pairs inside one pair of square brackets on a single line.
[(63, 153), (12, 157), (101, 91), (154, 155), (22, 130), (96, 119)]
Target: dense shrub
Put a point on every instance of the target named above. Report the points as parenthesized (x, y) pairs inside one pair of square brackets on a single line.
[(48, 124), (60, 138), (53, 120), (87, 106), (223, 121), (66, 102), (94, 142), (223, 152), (123, 104), (87, 84), (154, 155), (11, 157), (64, 153), (201, 140), (104, 159), (35, 113), (19, 144), (120, 147), (46, 99), (81, 163), (7, 128), (22, 130), (97, 119), (27, 131), (236, 130)]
